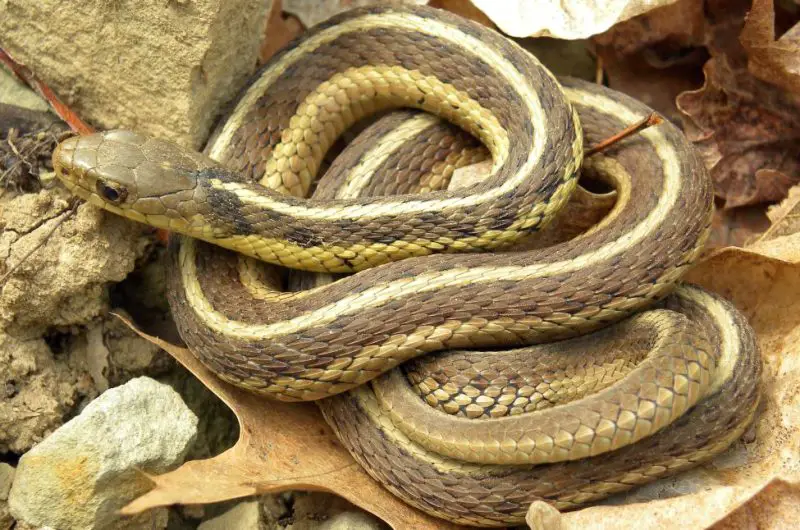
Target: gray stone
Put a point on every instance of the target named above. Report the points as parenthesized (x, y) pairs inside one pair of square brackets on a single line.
[(243, 516), (82, 474), (352, 521), (12, 92), (6, 479)]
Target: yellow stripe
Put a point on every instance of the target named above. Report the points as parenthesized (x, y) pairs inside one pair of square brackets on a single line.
[(361, 174), (729, 335), (730, 352), (411, 22), (380, 294)]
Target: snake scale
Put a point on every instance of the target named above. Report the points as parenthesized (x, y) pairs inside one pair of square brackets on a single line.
[(526, 390)]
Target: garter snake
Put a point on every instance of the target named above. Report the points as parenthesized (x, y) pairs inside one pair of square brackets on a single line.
[(424, 281)]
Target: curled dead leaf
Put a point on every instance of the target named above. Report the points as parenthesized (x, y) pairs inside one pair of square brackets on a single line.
[(657, 55), (785, 217), (565, 19), (747, 134), (775, 61), (747, 130), (312, 12)]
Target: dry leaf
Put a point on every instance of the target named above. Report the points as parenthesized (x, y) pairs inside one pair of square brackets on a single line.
[(656, 56), (773, 508), (281, 28), (747, 130), (743, 127), (771, 60), (737, 227), (785, 217), (312, 12), (281, 447), (563, 19)]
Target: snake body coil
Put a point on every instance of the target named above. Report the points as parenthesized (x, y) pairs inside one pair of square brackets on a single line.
[(420, 287)]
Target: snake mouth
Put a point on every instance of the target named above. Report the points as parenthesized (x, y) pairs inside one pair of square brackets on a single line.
[(62, 160)]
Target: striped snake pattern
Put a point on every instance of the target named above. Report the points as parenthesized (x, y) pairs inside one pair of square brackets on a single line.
[(533, 394)]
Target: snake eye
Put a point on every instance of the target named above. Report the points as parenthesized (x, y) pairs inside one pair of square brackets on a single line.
[(111, 192)]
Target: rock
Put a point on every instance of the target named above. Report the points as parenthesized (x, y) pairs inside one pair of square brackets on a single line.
[(311, 510), (42, 380), (164, 68), (543, 516), (36, 391), (243, 516), (82, 474), (217, 427), (352, 521), (113, 353), (70, 272), (12, 92), (6, 478)]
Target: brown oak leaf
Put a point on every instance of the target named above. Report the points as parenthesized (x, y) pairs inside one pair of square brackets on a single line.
[(656, 56), (771, 60), (747, 130), (281, 447), (280, 29)]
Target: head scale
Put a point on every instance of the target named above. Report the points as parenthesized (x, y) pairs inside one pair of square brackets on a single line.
[(130, 174)]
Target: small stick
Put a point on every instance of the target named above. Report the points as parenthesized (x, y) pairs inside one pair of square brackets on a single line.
[(13, 147), (70, 211), (598, 71), (653, 119), (24, 74)]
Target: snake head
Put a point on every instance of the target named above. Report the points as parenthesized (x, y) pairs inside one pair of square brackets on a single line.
[(130, 174)]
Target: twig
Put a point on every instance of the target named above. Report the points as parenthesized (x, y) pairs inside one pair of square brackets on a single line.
[(24, 74), (69, 212), (598, 71), (653, 119), (13, 147)]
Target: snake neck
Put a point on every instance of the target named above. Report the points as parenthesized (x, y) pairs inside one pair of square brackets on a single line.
[(348, 236)]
